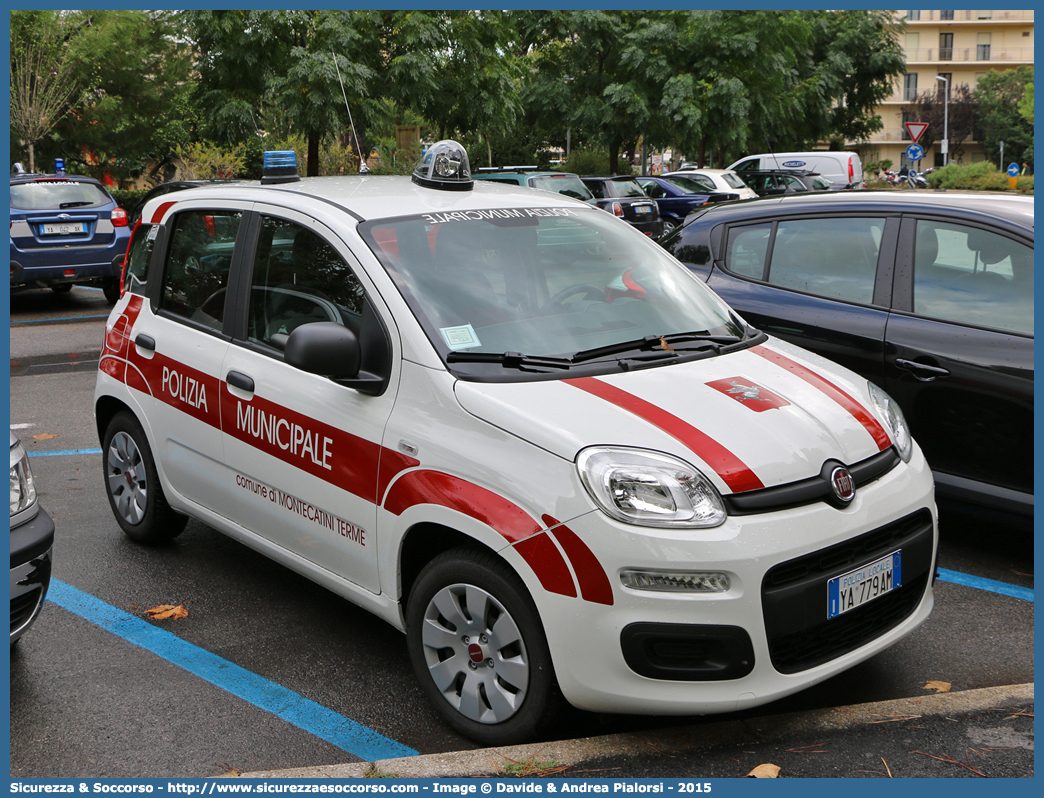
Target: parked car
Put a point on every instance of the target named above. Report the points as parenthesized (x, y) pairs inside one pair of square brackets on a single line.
[(773, 183), (66, 230), (32, 538), (170, 187), (842, 169), (623, 197), (565, 183), (520, 433), (715, 180), (677, 197), (928, 296)]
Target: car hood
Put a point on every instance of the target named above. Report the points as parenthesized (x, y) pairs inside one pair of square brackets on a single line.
[(761, 417)]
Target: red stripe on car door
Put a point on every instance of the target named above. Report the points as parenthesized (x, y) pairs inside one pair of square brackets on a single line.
[(729, 467)]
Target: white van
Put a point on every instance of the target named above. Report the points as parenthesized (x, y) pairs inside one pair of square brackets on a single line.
[(842, 169)]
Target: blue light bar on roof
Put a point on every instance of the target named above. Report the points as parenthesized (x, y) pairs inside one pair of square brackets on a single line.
[(279, 166)]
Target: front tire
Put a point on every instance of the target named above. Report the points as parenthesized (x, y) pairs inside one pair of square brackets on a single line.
[(479, 651), (132, 484)]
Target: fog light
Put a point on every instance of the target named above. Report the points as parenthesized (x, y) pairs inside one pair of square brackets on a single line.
[(676, 581)]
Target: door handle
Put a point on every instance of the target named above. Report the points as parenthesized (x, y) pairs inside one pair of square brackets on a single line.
[(145, 342), (238, 379), (922, 371)]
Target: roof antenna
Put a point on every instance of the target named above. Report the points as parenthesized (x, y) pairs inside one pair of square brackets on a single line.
[(363, 168)]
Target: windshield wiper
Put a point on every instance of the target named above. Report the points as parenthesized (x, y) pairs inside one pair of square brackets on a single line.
[(653, 343), (512, 360)]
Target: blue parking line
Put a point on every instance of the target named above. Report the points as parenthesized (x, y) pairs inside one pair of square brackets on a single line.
[(61, 318), (301, 712), (62, 452), (992, 585)]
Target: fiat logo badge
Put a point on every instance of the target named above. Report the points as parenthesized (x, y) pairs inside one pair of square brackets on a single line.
[(843, 484)]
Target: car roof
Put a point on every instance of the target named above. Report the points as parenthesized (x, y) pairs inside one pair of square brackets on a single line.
[(375, 197), (1016, 210)]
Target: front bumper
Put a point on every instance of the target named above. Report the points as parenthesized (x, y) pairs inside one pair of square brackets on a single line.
[(768, 636), (31, 545)]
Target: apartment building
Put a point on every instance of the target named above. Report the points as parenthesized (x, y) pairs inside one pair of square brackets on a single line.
[(961, 46)]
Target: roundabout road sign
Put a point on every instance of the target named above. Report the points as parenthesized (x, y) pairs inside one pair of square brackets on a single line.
[(914, 152)]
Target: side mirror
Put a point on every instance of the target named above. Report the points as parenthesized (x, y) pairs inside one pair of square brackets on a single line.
[(326, 348)]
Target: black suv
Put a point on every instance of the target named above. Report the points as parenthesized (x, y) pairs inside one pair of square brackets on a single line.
[(928, 295), (623, 197), (774, 182)]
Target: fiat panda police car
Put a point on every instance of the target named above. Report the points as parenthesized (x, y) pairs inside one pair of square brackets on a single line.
[(517, 430)]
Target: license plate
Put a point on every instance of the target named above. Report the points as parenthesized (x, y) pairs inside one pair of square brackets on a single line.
[(851, 590), (642, 208), (64, 228)]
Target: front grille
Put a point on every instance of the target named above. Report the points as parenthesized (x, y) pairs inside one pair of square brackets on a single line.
[(794, 595), (23, 607)]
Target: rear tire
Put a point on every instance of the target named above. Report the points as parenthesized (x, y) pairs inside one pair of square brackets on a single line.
[(132, 484), (479, 651), (111, 289)]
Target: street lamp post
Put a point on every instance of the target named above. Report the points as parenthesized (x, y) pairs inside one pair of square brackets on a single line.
[(946, 119)]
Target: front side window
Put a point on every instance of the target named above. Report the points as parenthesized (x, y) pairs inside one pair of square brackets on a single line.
[(298, 278), (973, 276), (549, 282), (197, 267)]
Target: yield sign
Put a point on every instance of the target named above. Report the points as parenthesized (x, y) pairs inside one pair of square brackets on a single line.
[(915, 129)]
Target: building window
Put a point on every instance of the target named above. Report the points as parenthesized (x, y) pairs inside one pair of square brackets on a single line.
[(913, 16), (946, 46), (910, 88), (946, 15), (982, 47), (985, 14), (949, 82)]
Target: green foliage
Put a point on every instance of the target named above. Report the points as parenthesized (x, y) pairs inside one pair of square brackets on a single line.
[(982, 176), (999, 95), (588, 161), (200, 161), (127, 198)]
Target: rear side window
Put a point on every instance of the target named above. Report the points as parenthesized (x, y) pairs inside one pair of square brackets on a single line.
[(834, 258), (973, 276), (45, 195), (732, 180), (596, 187), (198, 260), (138, 256), (830, 257)]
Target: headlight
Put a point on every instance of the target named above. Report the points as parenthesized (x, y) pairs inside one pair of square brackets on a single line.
[(649, 488), (894, 419), (23, 491)]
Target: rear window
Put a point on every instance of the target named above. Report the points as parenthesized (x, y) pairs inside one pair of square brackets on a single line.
[(43, 195), (733, 180), (567, 185), (626, 188)]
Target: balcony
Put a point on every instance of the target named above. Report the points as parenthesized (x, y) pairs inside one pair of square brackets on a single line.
[(965, 15), (971, 55)]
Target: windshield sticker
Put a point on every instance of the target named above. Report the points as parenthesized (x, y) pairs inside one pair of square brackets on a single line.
[(496, 213), (463, 337)]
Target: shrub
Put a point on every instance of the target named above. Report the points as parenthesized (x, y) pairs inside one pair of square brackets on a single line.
[(587, 161), (201, 161), (982, 176)]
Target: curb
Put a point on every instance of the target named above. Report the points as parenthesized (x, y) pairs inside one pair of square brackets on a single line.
[(489, 762)]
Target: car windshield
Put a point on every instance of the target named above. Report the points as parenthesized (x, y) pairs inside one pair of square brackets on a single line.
[(687, 184), (568, 185), (733, 180), (41, 195), (545, 282)]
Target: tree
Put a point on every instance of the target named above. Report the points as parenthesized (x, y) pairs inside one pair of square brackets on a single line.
[(1000, 118), (957, 117), (44, 83)]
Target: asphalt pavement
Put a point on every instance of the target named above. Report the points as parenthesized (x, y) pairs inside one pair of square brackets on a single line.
[(984, 733)]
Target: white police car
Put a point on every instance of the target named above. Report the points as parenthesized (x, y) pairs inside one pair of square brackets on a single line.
[(517, 430)]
